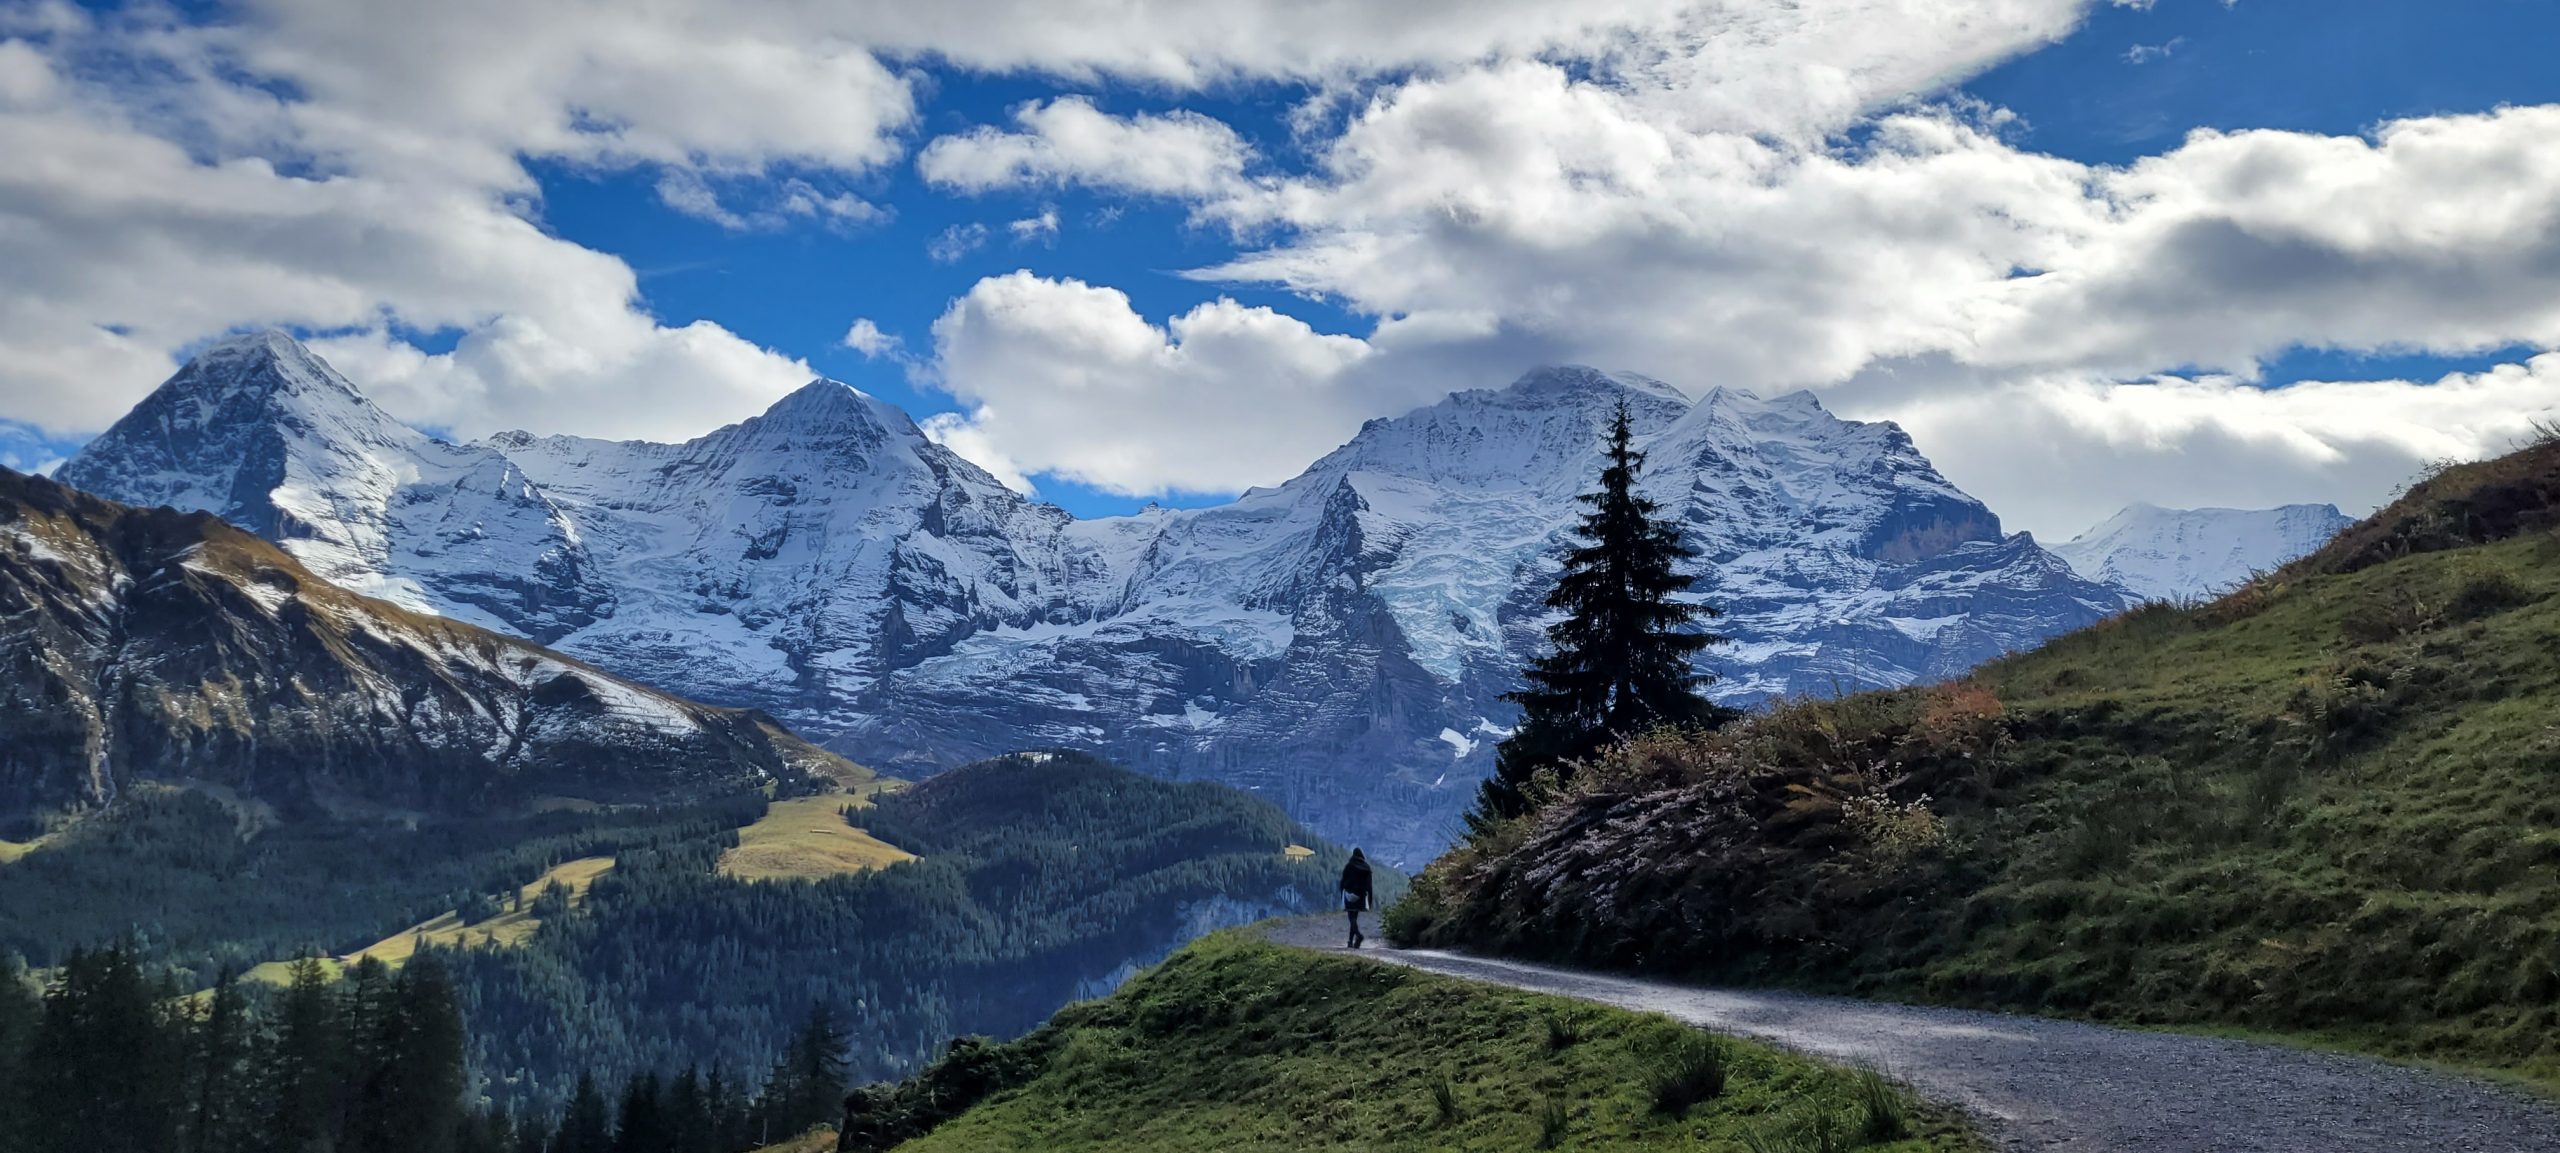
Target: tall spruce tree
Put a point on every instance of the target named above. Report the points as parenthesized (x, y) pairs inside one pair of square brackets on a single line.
[(221, 1107), (106, 1068), (1621, 661), (587, 1125), (301, 1062)]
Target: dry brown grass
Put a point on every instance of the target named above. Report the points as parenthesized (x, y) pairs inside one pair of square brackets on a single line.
[(806, 838)]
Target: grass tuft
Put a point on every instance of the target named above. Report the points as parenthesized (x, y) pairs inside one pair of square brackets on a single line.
[(1565, 1029), (1553, 1118), (1444, 1099), (1691, 1071), (1884, 1111)]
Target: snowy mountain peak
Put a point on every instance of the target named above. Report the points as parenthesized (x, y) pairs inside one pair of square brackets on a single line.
[(1557, 380), (263, 433), (2174, 554)]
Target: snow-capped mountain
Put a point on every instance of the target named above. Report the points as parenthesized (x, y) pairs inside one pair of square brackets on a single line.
[(144, 644), (2174, 554), (1338, 643), (260, 432)]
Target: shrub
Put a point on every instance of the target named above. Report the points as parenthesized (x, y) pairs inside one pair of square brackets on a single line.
[(1407, 921), (2386, 617), (1691, 1071), (2486, 592), (1898, 830)]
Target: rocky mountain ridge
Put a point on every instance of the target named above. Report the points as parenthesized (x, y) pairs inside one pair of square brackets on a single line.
[(1338, 643), (150, 644)]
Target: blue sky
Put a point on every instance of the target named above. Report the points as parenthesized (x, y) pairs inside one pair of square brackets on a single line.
[(2330, 67), (1398, 241)]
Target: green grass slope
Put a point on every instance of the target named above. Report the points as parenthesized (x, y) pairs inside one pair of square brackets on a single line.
[(1235, 1044), (2326, 804)]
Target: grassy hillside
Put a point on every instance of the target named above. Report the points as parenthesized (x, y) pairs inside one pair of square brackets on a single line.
[(1237, 1044), (2328, 803)]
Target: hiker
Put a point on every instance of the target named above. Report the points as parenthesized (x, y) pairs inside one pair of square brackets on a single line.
[(1356, 894)]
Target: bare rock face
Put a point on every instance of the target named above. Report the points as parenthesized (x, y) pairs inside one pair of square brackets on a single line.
[(1338, 644), (151, 644)]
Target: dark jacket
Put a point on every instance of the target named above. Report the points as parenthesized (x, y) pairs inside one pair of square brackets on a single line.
[(1355, 881)]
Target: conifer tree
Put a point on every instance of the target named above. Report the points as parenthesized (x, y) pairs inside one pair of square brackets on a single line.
[(732, 1121), (364, 1011), (585, 1127), (105, 1073), (413, 1089), (1621, 659), (301, 1063), (221, 1115), (689, 1119), (643, 1124)]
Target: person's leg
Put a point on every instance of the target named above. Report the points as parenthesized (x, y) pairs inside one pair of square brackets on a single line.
[(1352, 912)]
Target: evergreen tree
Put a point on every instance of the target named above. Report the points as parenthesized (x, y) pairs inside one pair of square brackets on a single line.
[(732, 1121), (300, 1090), (585, 1127), (689, 1120), (486, 1131), (643, 1125), (533, 1135), (222, 1113), (1621, 659), (365, 1045), (105, 1071), (807, 1088), (413, 1088)]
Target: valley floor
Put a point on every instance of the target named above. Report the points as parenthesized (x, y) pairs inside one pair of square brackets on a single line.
[(2040, 1084)]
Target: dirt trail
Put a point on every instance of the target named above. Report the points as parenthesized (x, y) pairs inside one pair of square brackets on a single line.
[(2039, 1084)]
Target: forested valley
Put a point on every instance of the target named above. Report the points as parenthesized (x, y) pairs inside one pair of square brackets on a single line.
[(716, 1009)]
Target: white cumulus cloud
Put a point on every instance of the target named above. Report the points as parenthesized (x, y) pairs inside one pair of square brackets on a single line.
[(1065, 378)]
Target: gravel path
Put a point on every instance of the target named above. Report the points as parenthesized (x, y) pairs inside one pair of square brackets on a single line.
[(2039, 1084)]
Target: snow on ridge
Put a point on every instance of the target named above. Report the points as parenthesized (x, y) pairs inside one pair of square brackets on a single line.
[(2172, 554)]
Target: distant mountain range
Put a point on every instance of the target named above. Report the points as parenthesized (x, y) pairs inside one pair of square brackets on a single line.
[(142, 644), (2175, 554), (1338, 643)]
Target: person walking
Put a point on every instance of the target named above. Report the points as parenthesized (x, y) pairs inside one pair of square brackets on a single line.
[(1358, 893)]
